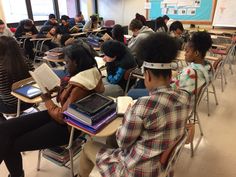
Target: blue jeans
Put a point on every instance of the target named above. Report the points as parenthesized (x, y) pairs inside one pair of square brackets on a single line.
[(113, 90), (137, 93), (61, 73)]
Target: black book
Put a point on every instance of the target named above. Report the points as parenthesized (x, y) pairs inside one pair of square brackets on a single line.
[(92, 104)]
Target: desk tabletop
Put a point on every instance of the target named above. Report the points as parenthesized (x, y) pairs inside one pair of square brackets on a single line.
[(35, 100), (78, 34), (53, 60), (106, 131), (40, 39), (181, 56)]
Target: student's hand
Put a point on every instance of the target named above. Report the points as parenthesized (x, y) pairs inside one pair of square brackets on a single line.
[(28, 34), (46, 96), (55, 89)]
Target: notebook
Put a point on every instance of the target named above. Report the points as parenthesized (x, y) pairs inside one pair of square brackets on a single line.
[(28, 91)]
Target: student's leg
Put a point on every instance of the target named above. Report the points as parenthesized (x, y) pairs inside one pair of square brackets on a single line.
[(137, 93), (12, 109), (87, 158), (112, 90), (48, 135), (12, 129)]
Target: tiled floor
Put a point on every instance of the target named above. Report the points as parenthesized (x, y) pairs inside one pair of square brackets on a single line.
[(215, 157)]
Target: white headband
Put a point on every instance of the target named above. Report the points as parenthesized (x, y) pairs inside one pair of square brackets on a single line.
[(157, 65)]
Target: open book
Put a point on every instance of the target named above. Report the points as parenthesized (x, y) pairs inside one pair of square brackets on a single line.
[(123, 103), (45, 78)]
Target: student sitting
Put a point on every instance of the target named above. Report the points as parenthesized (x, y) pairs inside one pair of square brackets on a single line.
[(140, 32), (54, 34), (92, 24), (4, 31), (196, 50), (64, 28), (52, 21), (77, 22), (27, 28), (47, 128), (118, 60), (118, 34), (176, 30), (150, 126), (13, 67)]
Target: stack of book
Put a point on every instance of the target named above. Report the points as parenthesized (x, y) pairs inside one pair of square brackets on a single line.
[(60, 155), (56, 53), (91, 113)]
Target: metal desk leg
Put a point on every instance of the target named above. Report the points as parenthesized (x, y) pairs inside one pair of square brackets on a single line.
[(18, 108), (69, 147)]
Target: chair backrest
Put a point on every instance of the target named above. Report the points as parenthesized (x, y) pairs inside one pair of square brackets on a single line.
[(109, 23), (128, 72), (170, 156), (217, 65)]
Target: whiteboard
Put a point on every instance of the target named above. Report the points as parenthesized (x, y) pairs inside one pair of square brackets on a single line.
[(225, 15)]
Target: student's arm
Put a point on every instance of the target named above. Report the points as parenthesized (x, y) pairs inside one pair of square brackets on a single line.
[(19, 32), (71, 95), (130, 129), (114, 79)]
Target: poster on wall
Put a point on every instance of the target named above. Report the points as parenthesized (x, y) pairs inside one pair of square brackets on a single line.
[(198, 10), (225, 13)]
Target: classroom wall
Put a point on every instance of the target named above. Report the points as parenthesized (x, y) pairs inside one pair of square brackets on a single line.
[(122, 11), (1, 11), (87, 9)]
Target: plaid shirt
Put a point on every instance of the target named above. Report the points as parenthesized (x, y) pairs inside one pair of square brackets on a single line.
[(148, 129)]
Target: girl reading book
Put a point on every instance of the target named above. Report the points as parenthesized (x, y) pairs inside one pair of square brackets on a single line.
[(47, 128)]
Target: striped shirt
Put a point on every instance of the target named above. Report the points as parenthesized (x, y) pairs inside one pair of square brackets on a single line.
[(5, 86)]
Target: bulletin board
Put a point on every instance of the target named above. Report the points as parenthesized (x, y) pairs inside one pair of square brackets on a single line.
[(187, 11)]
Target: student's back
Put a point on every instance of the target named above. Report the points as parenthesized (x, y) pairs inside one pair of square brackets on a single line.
[(140, 32), (26, 27), (123, 61), (13, 67)]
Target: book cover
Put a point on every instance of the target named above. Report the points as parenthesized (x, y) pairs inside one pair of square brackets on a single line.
[(92, 104), (45, 78), (91, 129), (91, 120)]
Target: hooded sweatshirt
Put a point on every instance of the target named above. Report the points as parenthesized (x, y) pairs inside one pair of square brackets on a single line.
[(79, 86), (186, 79), (134, 41)]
